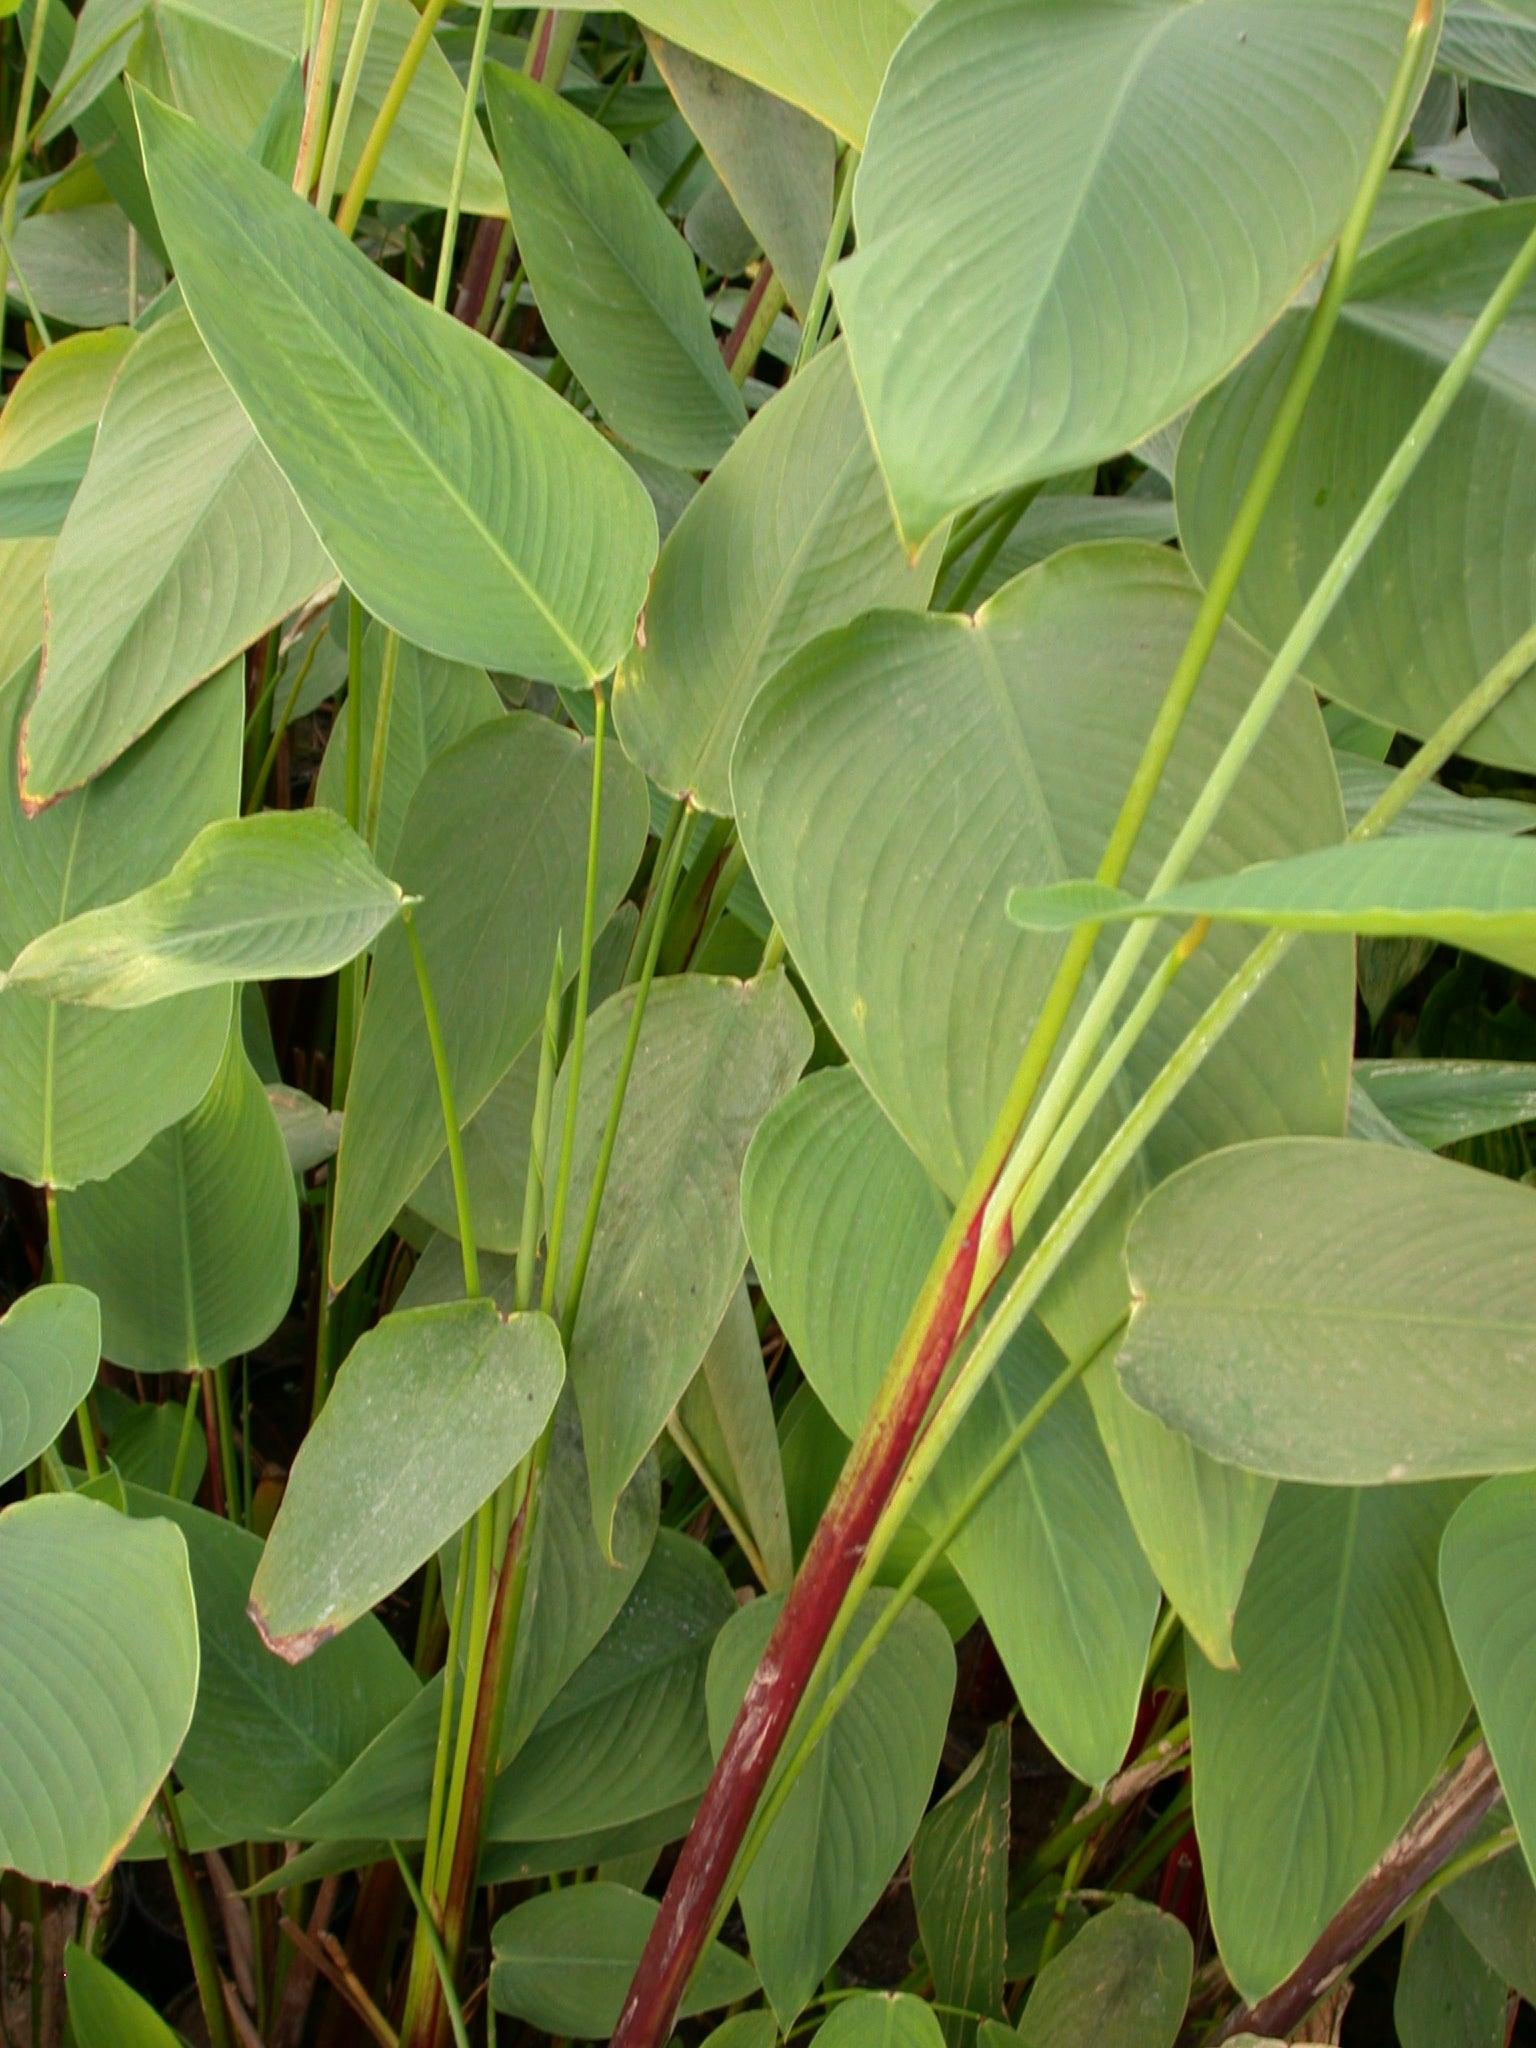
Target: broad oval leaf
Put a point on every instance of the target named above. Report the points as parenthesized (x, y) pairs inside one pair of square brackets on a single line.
[(193, 1246), (1033, 184), (531, 538), (855, 1807), (65, 1114), (50, 1346), (615, 283), (278, 896), (1311, 1755), (791, 534), (35, 495), (843, 1223), (511, 800), (267, 1737), (182, 545), (1486, 1575), (104, 2012), (98, 1674), (1122, 1982), (960, 1888), (1449, 584), (1341, 1312), (880, 2019), (563, 1961), (713, 1058), (445, 1400)]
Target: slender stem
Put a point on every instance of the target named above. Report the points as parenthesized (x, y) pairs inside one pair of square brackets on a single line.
[(389, 112), (774, 948), (764, 303), (837, 234), (461, 157), (221, 1408), (85, 1420), (383, 712), (467, 1251), (284, 719), (184, 1440), (681, 171), (538, 1137), (679, 820), (317, 95), (446, 1719), (22, 138), (346, 96), (34, 310), (205, 1966), (577, 1053), (1008, 515), (434, 1944)]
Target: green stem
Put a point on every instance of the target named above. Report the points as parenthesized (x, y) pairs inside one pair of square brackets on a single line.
[(538, 1145), (227, 1465), (383, 712), (205, 1966), (1007, 517), (85, 1420), (346, 96), (284, 719), (679, 820), (837, 234), (378, 135), (184, 1441), (317, 96), (467, 1251), (434, 1944), (461, 157), (446, 1719), (22, 138), (744, 344)]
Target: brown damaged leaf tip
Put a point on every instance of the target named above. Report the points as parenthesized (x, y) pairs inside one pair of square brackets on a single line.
[(292, 1649)]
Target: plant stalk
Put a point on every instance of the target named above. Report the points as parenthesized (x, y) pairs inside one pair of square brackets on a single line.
[(317, 96), (378, 135), (346, 98)]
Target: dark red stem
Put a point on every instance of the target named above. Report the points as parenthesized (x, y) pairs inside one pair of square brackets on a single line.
[(730, 348), (836, 1551)]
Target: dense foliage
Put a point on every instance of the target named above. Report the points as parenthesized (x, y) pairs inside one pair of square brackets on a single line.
[(767, 901)]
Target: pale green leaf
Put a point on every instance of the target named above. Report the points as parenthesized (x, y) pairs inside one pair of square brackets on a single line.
[(98, 1673), (1311, 1755), (1442, 1102), (1432, 809), (1008, 195), (35, 495), (531, 539), (855, 1807), (563, 1961), (792, 534), (713, 1058), (960, 1888), (615, 284), (724, 1426), (66, 1113), (78, 263), (50, 1346), (278, 896), (1122, 1982), (1447, 1997), (1494, 1905), (880, 2019), (104, 2012), (1335, 1311), (512, 801), (1487, 41), (446, 1401), (182, 546), (193, 1246)]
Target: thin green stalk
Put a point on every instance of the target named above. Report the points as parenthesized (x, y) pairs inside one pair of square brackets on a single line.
[(85, 1420), (383, 713), (346, 97), (461, 157), (1009, 513), (34, 310), (184, 1441), (226, 1445), (1051, 1940), (446, 1719), (466, 1228), (774, 948), (481, 1590), (731, 870), (679, 820), (317, 96), (538, 1144), (389, 112), (205, 1965), (678, 177), (22, 138), (495, 319), (837, 234), (577, 1053), (425, 1922), (284, 719), (744, 344)]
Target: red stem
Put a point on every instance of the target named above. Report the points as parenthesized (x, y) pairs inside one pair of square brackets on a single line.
[(730, 348), (751, 1749)]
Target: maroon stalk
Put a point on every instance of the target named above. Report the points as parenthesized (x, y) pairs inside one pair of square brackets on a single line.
[(836, 1551)]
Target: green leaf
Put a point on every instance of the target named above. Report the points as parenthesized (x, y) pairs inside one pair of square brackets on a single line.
[(775, 162), (791, 535), (752, 2029), (1409, 1277), (267, 1738), (855, 1808), (1490, 1597), (1447, 1997), (435, 702), (181, 505), (1050, 1557), (193, 1246), (104, 2012), (513, 800), (1467, 889), (1486, 42), (724, 1426), (66, 1114), (1123, 1982), (77, 260), (828, 60), (430, 1412), (58, 396), (1299, 1787), (1445, 590), (1434, 808), (1005, 194), (563, 1961), (531, 539), (50, 1346), (104, 36), (144, 1442), (880, 2019), (1442, 1102), (35, 495), (98, 1673), (282, 895), (1495, 1908), (960, 1888), (713, 1058), (627, 1734), (616, 286), (224, 62), (1057, 520)]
